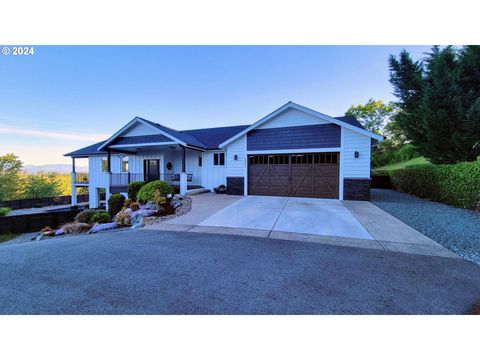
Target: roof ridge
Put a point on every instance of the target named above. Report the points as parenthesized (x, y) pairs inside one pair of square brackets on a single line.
[(211, 128)]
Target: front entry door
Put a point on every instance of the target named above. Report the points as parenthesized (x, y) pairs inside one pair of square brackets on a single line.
[(152, 171)]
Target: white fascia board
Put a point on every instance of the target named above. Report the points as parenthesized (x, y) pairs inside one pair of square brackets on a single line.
[(293, 151), (143, 144), (141, 121), (307, 111)]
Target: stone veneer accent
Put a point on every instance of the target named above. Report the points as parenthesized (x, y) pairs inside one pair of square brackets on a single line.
[(356, 189), (235, 185)]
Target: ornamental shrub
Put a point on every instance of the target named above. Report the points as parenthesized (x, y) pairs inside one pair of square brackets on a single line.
[(457, 185), (85, 216), (134, 188), (101, 217), (4, 211), (115, 204), (147, 191)]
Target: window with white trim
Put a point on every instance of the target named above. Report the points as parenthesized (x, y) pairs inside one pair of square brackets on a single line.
[(219, 159), (124, 163), (104, 164)]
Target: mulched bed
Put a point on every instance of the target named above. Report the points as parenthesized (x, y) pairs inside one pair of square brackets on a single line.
[(181, 210)]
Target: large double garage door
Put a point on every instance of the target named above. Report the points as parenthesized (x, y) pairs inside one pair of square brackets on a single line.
[(303, 175)]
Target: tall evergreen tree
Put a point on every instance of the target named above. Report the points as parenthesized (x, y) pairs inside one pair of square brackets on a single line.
[(406, 77), (469, 93), (439, 108), (439, 101)]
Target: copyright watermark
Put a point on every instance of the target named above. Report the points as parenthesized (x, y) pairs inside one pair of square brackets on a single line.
[(18, 50)]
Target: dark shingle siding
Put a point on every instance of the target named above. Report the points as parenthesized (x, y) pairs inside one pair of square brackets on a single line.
[(294, 137), (157, 138)]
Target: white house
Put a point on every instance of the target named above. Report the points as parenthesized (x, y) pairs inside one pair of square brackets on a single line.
[(293, 151)]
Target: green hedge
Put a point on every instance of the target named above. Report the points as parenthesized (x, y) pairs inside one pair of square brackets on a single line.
[(457, 185)]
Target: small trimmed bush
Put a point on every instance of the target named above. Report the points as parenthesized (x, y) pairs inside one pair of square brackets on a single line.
[(85, 216), (457, 185), (4, 211), (147, 192), (115, 204), (101, 217), (134, 188)]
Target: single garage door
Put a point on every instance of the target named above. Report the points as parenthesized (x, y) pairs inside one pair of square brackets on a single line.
[(303, 175)]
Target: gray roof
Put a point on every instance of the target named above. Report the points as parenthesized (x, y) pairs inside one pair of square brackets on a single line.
[(209, 138), (352, 120), (87, 151), (186, 138), (212, 137)]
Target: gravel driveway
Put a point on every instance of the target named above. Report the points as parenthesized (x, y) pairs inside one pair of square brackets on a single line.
[(456, 229), (160, 272)]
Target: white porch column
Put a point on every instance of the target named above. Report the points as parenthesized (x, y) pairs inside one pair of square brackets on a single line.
[(183, 183), (109, 178), (73, 190), (107, 190), (72, 184)]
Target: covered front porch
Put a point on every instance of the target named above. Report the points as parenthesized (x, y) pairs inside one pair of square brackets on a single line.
[(120, 165)]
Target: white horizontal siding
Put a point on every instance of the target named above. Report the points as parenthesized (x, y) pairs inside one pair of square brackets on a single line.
[(355, 167), (237, 147), (292, 117)]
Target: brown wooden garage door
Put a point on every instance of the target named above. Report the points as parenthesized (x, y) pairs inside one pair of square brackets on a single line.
[(304, 175)]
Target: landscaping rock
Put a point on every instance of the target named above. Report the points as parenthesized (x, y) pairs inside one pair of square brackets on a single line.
[(102, 227), (150, 206), (76, 228), (176, 203)]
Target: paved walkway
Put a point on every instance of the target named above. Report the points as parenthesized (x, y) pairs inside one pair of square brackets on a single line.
[(348, 223)]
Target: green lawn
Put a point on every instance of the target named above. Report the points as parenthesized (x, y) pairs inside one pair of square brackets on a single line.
[(405, 164)]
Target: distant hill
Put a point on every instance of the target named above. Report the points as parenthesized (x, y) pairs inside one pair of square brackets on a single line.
[(60, 168)]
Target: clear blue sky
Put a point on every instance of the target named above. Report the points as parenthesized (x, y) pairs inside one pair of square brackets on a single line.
[(90, 92)]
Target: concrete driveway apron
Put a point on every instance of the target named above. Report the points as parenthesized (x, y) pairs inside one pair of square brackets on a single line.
[(298, 215)]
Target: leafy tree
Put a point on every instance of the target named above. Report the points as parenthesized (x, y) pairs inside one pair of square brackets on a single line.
[(40, 185), (10, 167), (439, 102), (374, 115)]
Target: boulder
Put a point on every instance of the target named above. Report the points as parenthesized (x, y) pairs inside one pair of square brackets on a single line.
[(102, 227)]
